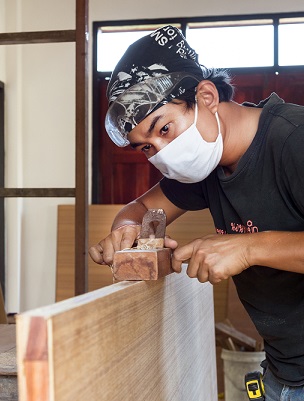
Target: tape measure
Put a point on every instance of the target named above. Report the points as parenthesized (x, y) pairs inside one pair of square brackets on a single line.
[(255, 386)]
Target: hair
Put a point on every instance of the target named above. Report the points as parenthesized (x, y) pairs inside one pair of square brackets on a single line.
[(221, 79)]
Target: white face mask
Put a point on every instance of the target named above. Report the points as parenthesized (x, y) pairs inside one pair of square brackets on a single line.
[(189, 158)]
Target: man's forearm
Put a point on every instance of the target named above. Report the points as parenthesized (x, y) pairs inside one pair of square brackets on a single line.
[(131, 214), (282, 250)]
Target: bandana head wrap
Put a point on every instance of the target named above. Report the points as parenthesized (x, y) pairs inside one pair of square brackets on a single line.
[(154, 70)]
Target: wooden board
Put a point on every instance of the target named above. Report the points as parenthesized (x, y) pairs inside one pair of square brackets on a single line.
[(131, 341), (188, 227)]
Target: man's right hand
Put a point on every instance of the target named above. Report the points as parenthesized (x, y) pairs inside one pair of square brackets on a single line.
[(127, 224), (121, 238)]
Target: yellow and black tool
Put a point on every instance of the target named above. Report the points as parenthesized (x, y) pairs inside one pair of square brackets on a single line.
[(255, 386)]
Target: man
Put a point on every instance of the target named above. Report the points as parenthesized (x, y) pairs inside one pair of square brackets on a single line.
[(243, 162)]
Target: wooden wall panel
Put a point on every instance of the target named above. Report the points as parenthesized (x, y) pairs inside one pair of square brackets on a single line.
[(189, 226), (131, 341), (258, 86)]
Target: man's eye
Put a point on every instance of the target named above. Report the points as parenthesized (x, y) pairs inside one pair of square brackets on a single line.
[(146, 148), (165, 129)]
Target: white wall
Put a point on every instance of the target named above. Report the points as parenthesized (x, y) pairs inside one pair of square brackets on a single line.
[(40, 123), (2, 28), (119, 9), (40, 146)]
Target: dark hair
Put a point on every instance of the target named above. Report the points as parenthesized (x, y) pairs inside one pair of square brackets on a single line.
[(221, 79)]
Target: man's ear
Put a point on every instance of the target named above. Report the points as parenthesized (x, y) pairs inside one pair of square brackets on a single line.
[(207, 93)]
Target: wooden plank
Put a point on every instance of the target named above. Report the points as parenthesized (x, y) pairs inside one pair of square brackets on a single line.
[(37, 192), (236, 336), (100, 220), (19, 38), (81, 151), (143, 341), (189, 226)]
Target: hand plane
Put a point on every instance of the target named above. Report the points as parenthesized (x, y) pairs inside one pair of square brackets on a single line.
[(149, 260)]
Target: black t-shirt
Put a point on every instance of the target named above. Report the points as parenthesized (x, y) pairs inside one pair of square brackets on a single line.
[(265, 192)]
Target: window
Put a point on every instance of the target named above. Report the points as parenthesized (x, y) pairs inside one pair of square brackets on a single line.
[(268, 41), (291, 32), (112, 42), (233, 44)]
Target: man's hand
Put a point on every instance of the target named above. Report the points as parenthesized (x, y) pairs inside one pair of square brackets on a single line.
[(121, 238), (214, 257)]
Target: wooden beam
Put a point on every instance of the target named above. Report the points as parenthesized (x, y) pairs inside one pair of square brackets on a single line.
[(20, 38), (143, 341), (81, 202), (37, 192)]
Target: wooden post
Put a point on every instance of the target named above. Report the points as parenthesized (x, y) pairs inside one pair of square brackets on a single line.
[(81, 209)]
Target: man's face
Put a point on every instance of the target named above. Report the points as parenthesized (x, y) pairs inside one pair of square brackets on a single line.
[(160, 128)]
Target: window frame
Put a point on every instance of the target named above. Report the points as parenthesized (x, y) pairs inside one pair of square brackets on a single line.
[(183, 22)]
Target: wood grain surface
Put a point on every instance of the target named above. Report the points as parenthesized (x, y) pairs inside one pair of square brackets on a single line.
[(131, 341)]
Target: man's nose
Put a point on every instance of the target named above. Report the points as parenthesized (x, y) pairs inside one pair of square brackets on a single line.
[(159, 144)]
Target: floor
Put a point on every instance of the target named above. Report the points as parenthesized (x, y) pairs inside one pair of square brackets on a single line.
[(8, 367)]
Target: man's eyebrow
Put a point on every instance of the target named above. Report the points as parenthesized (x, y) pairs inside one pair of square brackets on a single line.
[(153, 123), (148, 133)]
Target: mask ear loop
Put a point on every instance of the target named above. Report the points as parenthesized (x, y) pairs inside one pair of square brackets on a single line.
[(195, 112), (218, 122)]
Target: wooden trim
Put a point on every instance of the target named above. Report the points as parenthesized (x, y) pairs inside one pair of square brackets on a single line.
[(19, 38), (96, 190), (81, 209), (143, 341), (37, 192)]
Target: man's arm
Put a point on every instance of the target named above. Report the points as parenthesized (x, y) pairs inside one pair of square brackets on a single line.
[(126, 225), (216, 257)]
